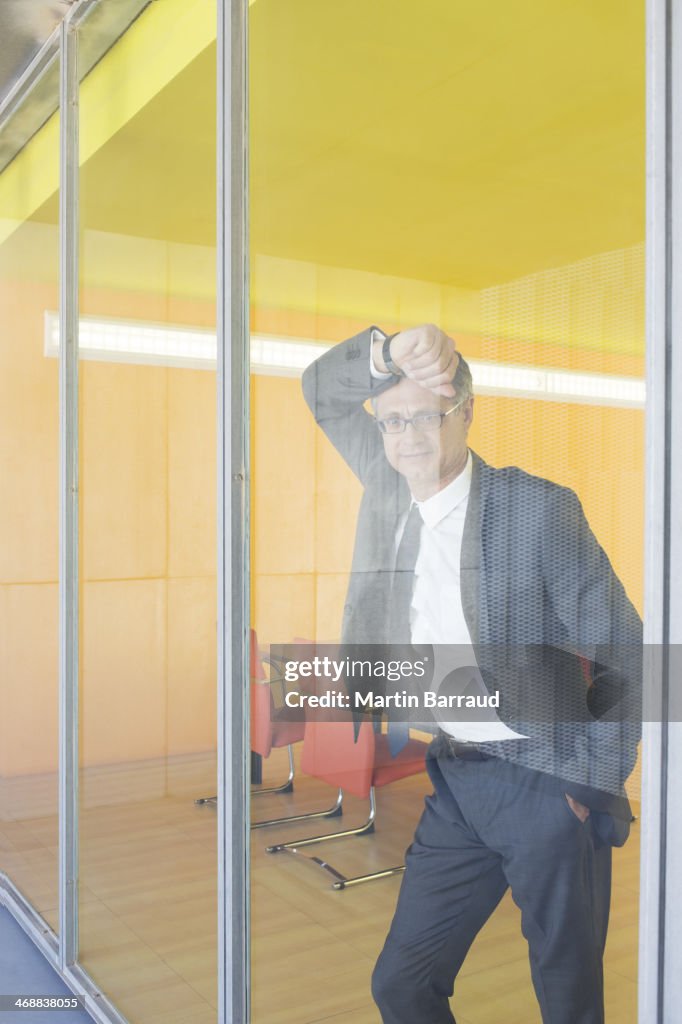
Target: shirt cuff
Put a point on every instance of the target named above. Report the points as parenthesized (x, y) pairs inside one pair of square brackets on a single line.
[(376, 335)]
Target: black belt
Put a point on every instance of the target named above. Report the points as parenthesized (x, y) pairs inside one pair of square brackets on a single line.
[(447, 746)]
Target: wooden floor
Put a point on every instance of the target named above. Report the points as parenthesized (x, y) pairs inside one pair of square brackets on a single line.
[(148, 908)]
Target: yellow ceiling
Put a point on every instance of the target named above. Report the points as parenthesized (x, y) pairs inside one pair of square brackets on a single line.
[(466, 143), (447, 140)]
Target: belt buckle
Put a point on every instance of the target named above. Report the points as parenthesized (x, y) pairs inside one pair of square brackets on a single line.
[(467, 751), (452, 746)]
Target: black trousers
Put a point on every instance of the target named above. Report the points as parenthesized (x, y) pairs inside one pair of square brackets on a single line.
[(489, 825)]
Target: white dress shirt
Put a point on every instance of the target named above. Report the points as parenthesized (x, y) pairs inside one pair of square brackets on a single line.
[(436, 611), (436, 614)]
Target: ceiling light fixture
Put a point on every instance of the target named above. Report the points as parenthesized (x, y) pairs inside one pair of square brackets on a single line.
[(131, 341)]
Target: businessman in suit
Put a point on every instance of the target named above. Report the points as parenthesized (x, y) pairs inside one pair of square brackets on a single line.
[(451, 552)]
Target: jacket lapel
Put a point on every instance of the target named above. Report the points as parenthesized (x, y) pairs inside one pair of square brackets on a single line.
[(366, 611), (474, 601)]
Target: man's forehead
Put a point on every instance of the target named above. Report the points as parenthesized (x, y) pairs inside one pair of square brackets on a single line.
[(407, 394)]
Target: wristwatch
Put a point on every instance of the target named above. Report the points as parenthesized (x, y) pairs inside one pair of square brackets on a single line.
[(386, 339)]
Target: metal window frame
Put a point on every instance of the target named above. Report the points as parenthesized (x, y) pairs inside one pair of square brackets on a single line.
[(31, 101), (35, 96), (665, 223), (68, 511), (661, 866), (233, 517)]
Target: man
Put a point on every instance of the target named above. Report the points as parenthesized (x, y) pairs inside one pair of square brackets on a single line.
[(506, 564)]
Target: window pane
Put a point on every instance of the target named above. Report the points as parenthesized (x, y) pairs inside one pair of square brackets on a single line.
[(482, 170), (148, 903), (29, 521)]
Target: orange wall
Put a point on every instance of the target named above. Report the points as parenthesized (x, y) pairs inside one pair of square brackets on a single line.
[(29, 479), (148, 592), (148, 526)]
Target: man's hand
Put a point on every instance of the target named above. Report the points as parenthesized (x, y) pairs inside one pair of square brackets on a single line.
[(426, 355), (578, 809)]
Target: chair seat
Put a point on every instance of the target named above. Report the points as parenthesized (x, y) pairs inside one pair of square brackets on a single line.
[(410, 761)]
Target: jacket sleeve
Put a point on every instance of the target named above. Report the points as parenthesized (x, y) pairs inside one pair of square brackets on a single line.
[(336, 387), (604, 627)]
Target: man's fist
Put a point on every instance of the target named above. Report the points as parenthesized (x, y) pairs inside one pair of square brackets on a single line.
[(426, 355)]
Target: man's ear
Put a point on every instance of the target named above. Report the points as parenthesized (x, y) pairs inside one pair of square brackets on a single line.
[(468, 411)]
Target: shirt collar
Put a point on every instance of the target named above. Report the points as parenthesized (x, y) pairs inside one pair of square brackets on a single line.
[(434, 509)]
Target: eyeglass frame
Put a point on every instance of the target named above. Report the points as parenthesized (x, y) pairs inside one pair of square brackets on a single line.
[(414, 420)]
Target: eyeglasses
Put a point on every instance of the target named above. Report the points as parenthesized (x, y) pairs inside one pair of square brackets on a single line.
[(423, 421)]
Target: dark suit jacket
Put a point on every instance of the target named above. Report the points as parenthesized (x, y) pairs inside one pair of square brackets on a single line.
[(540, 597)]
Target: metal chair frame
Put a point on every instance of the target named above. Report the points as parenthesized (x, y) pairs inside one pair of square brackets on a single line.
[(335, 811), (342, 881)]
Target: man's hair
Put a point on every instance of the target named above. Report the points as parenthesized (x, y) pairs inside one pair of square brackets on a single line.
[(462, 381)]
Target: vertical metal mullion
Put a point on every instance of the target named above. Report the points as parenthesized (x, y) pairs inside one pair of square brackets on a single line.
[(671, 860), (68, 518), (649, 987), (660, 985), (233, 525)]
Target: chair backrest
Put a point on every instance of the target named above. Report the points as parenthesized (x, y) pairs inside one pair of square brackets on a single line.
[(332, 752), (257, 670), (261, 703)]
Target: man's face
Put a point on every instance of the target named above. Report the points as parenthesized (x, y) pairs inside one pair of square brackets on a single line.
[(429, 460)]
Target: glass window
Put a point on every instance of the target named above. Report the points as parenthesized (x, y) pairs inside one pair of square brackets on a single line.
[(480, 170), (29, 521), (148, 902)]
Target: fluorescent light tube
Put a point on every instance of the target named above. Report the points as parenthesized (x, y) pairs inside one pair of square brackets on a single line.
[(130, 341)]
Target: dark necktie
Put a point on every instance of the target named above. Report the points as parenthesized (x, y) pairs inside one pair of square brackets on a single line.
[(402, 584), (402, 588)]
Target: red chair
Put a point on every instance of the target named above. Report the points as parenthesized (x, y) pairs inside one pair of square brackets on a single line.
[(269, 727), (331, 753), (272, 727)]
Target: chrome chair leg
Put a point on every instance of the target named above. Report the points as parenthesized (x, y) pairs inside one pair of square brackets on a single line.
[(342, 881), (286, 787), (361, 830), (332, 812)]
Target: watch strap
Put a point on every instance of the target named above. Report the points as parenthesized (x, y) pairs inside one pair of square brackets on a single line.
[(386, 356)]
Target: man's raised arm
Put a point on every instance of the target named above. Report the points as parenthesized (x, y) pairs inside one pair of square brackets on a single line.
[(337, 385)]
